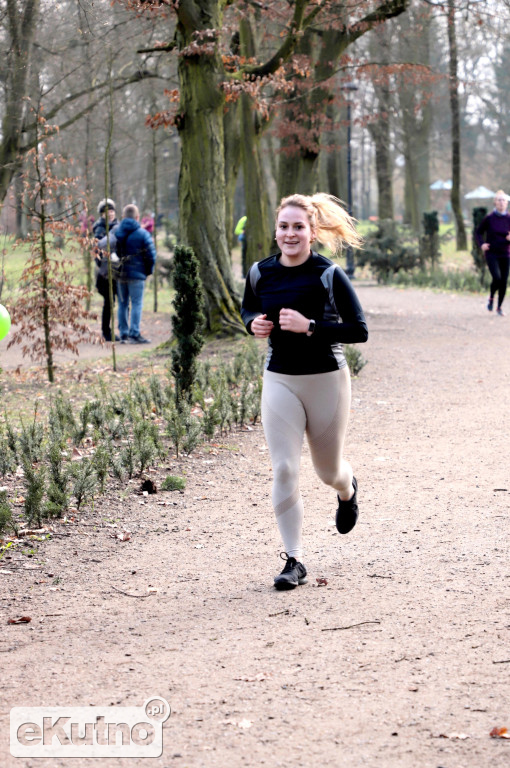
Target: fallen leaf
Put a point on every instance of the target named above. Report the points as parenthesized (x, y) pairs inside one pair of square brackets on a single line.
[(453, 736), (500, 733), (124, 536), (21, 620), (321, 582), (76, 454)]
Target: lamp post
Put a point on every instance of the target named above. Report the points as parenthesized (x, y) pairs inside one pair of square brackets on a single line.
[(349, 88)]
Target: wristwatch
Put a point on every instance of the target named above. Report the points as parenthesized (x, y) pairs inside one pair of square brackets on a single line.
[(311, 328)]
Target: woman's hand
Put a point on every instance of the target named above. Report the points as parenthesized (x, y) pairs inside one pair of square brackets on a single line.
[(261, 327), (290, 320), (485, 246)]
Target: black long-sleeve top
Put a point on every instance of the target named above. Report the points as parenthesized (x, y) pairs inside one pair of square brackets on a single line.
[(319, 290), (493, 229)]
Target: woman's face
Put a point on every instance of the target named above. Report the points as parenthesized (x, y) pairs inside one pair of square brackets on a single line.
[(294, 234), (500, 203)]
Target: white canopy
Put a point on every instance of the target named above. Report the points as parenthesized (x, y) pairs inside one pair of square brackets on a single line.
[(480, 193), (440, 184)]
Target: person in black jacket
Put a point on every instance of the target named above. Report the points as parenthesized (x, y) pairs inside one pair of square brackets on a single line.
[(105, 208), (493, 237), (305, 306)]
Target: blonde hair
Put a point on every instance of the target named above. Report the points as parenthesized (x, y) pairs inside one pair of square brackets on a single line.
[(500, 193), (332, 224)]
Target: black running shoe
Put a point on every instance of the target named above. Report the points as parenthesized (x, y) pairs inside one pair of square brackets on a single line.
[(490, 303), (347, 512), (293, 574)]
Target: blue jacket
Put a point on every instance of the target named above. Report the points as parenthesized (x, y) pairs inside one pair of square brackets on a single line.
[(131, 240)]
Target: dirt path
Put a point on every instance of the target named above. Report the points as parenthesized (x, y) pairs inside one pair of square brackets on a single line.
[(405, 650)]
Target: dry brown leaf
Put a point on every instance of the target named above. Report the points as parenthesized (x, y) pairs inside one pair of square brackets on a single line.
[(500, 733), (21, 620)]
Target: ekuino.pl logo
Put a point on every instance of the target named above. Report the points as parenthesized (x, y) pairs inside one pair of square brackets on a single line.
[(89, 731)]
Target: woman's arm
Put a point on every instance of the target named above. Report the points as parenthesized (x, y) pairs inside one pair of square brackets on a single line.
[(353, 327)]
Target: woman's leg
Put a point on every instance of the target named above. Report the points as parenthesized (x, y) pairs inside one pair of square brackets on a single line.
[(493, 264), (327, 404), (504, 264), (284, 421)]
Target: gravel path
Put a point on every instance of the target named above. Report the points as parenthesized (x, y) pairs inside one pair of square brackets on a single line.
[(401, 661)]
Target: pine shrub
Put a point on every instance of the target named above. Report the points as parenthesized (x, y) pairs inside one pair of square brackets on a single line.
[(188, 321)]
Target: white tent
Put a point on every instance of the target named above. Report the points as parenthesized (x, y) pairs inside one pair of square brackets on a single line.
[(480, 193), (440, 184)]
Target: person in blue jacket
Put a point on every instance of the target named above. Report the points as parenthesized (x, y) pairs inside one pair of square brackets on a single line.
[(135, 247)]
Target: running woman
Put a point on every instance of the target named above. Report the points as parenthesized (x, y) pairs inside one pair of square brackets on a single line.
[(305, 306), (493, 237)]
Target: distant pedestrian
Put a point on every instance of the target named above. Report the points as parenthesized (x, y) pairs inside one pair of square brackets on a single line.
[(306, 307), (242, 237), (147, 222), (493, 237), (105, 208), (135, 248)]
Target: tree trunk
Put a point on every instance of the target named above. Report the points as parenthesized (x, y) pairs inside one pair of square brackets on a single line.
[(454, 105), (19, 197), (380, 128), (21, 25), (202, 184), (258, 235), (232, 137), (380, 132)]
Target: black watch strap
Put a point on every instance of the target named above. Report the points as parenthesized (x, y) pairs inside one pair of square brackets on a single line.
[(311, 328)]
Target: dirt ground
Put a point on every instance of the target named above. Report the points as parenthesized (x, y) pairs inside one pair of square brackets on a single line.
[(401, 661)]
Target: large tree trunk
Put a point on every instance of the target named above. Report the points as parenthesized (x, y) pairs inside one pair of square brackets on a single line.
[(415, 108), (258, 235), (232, 140), (202, 184), (380, 127), (21, 25), (381, 135), (454, 104)]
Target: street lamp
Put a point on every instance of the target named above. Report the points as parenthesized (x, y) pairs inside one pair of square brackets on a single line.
[(349, 88)]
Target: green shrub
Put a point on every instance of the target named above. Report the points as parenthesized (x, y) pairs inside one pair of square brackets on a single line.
[(389, 250), (355, 359), (5, 512), (173, 483)]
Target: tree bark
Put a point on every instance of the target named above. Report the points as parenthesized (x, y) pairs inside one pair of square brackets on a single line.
[(21, 22), (232, 139), (202, 182), (258, 235), (454, 105)]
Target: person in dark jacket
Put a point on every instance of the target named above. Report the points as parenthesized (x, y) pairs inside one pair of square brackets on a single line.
[(306, 307), (493, 237), (135, 246), (105, 208)]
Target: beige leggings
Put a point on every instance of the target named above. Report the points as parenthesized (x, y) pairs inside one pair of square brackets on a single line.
[(319, 404)]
